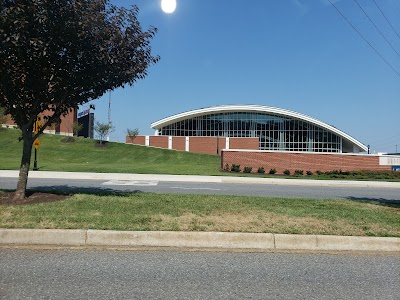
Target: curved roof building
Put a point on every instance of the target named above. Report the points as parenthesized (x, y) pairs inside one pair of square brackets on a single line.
[(276, 128)]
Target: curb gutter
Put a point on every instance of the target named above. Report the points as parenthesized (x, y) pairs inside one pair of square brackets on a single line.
[(216, 240)]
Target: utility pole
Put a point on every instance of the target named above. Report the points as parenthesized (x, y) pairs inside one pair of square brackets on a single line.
[(109, 116)]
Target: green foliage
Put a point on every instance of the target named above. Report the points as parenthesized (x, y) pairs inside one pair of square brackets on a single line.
[(76, 127), (298, 172), (247, 169), (261, 170), (309, 173), (68, 53), (132, 133), (102, 129), (57, 55), (235, 168), (286, 172), (272, 171)]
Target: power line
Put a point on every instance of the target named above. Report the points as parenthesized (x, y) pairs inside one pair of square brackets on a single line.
[(359, 33), (386, 19), (376, 27)]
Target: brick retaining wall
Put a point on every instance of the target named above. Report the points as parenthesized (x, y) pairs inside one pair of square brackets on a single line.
[(199, 144), (302, 161)]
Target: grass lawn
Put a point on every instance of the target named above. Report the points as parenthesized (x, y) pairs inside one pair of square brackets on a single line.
[(84, 156), (147, 211)]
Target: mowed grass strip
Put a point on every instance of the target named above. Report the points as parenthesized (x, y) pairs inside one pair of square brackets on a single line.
[(84, 156), (147, 211)]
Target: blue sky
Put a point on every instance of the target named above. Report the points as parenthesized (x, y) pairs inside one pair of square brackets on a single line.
[(299, 55)]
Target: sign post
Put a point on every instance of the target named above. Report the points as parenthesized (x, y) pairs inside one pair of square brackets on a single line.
[(36, 143)]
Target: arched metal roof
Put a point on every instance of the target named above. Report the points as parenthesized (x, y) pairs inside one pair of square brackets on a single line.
[(257, 109)]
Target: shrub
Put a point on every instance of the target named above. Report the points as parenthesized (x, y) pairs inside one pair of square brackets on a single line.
[(319, 172), (309, 173), (235, 168), (286, 172), (298, 172), (247, 169), (334, 172), (261, 170), (272, 171)]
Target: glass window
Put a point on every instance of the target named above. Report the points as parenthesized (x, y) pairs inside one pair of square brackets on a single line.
[(274, 132)]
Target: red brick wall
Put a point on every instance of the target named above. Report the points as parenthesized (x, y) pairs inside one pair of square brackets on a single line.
[(9, 121), (206, 145), (301, 161), (179, 143), (66, 122), (158, 141), (243, 143), (138, 140), (63, 127), (199, 144)]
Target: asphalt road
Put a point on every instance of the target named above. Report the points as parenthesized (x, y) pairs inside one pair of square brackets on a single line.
[(103, 274), (245, 189)]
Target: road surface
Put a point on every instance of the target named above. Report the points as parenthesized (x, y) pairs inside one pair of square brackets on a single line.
[(156, 274), (220, 188)]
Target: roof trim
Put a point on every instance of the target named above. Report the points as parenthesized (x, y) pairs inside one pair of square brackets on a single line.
[(255, 108)]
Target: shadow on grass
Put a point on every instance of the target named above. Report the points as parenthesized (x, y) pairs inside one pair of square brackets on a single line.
[(56, 193), (68, 190), (377, 201)]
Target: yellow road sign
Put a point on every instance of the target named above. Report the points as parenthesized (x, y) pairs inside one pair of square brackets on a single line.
[(37, 125), (36, 143)]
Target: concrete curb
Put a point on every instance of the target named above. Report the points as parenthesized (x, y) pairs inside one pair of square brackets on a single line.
[(198, 178), (215, 240)]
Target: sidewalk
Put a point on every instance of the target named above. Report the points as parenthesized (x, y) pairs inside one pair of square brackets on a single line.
[(197, 178)]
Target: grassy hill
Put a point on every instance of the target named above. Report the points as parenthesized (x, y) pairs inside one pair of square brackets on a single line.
[(84, 155)]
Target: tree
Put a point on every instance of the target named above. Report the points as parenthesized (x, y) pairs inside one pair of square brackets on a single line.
[(132, 133), (102, 130), (73, 127), (58, 54), (3, 117), (76, 127)]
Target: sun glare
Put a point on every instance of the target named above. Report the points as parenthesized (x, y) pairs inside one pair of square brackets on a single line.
[(168, 6)]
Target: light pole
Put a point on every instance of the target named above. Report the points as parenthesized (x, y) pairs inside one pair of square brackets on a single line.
[(109, 117)]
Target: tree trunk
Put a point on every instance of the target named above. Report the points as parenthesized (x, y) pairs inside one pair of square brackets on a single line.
[(25, 164)]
